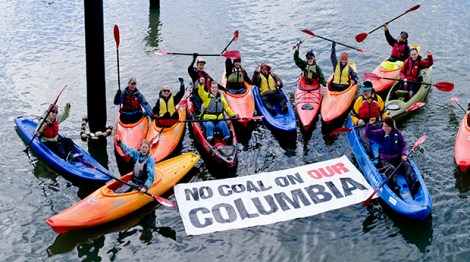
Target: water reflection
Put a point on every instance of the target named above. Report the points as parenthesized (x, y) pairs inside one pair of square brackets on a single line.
[(152, 39), (462, 182)]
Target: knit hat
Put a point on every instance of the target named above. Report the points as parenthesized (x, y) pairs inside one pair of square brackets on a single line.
[(344, 56), (405, 34), (310, 53), (237, 60), (367, 85)]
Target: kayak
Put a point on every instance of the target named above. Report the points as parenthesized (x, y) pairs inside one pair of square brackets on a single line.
[(75, 170), (164, 140), (397, 103), (104, 205), (307, 102), (130, 134), (415, 207), (241, 104), (226, 154), (383, 85), (334, 103), (280, 122), (462, 145)]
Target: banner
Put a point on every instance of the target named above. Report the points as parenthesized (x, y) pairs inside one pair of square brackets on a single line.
[(268, 198)]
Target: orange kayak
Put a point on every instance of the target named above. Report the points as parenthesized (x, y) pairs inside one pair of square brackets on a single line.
[(165, 139), (104, 205), (130, 134), (307, 102), (335, 103), (241, 104), (462, 145), (382, 85)]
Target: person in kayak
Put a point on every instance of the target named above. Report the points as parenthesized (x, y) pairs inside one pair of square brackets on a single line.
[(144, 167), (368, 105), (236, 76), (165, 107), (310, 69), (196, 73), (411, 71), (131, 102), (400, 49), (392, 154), (213, 108), (268, 84), (48, 130), (343, 74)]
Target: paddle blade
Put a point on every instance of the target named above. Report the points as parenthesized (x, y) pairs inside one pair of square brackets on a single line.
[(232, 54), (419, 142), (455, 99), (167, 122), (361, 50), (116, 36), (367, 201), (341, 130), (154, 140), (308, 32), (235, 35), (444, 86), (164, 201), (412, 9), (371, 76), (182, 103), (158, 52), (361, 37), (415, 106)]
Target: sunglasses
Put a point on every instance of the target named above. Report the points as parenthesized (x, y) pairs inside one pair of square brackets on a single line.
[(165, 90), (54, 111), (133, 83)]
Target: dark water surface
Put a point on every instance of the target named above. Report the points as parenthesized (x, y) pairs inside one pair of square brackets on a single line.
[(43, 49)]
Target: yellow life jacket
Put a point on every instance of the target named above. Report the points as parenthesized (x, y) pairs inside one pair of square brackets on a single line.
[(266, 83), (311, 71), (167, 107), (341, 77)]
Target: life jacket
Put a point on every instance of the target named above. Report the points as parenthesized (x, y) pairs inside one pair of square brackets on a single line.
[(369, 110), (51, 130), (140, 171), (236, 76), (341, 77), (310, 71), (167, 106), (391, 144), (215, 108), (207, 79), (411, 68), (398, 51), (267, 83), (131, 103)]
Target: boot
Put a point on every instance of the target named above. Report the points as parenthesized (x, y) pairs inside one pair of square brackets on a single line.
[(415, 187)]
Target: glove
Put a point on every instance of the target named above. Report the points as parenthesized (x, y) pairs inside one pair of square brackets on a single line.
[(181, 80), (333, 44), (236, 116), (195, 55), (117, 97)]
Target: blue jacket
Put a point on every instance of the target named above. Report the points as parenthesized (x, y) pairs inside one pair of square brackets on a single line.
[(137, 156)]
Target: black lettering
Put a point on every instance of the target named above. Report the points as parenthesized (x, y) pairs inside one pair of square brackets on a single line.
[(194, 194), (229, 210), (242, 210), (295, 178), (222, 192), (281, 181), (320, 196), (261, 209), (251, 187), (350, 185), (193, 217), (238, 188), (261, 186), (297, 195), (205, 192), (334, 189)]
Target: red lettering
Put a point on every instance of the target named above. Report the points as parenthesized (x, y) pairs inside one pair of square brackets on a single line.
[(339, 168), (329, 172)]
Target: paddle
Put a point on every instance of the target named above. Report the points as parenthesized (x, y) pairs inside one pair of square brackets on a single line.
[(442, 86), (299, 43), (417, 144), (324, 38), (159, 199), (117, 39), (235, 38), (362, 36), (232, 54), (47, 114), (156, 138), (170, 122), (456, 100), (347, 129)]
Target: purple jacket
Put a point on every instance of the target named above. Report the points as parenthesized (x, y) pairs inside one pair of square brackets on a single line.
[(392, 146)]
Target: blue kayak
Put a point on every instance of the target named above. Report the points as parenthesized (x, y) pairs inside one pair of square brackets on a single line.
[(281, 122), (76, 170), (415, 208)]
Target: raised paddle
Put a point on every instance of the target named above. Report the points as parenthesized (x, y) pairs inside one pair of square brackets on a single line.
[(156, 138), (442, 86), (235, 37), (159, 199), (117, 39), (347, 129), (362, 36), (456, 100), (232, 54), (324, 38), (170, 122), (47, 114), (417, 144)]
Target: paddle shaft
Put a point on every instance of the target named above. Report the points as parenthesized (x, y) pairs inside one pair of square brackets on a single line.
[(234, 38), (407, 11), (460, 106), (327, 39), (117, 40), (47, 114)]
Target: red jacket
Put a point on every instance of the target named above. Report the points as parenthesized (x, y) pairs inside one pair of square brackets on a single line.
[(411, 69)]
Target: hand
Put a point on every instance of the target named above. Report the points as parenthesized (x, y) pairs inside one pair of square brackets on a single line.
[(297, 46), (257, 68), (333, 45), (67, 104), (404, 158), (202, 80), (385, 27), (143, 189), (428, 53), (181, 80), (360, 122), (372, 120), (195, 55), (278, 83)]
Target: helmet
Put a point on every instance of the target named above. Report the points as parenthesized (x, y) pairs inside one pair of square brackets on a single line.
[(367, 85), (310, 53)]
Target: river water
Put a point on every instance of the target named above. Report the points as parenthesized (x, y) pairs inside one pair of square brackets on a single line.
[(43, 49)]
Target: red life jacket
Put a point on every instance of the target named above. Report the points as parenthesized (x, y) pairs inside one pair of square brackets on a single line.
[(411, 69), (131, 103), (51, 130), (369, 110), (207, 79), (398, 51)]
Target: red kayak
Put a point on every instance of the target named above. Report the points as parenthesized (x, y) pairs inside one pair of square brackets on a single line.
[(462, 145), (130, 134), (307, 102)]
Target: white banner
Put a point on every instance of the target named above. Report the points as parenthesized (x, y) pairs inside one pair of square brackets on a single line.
[(268, 198)]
